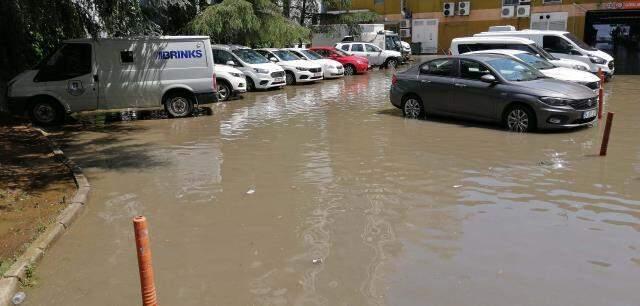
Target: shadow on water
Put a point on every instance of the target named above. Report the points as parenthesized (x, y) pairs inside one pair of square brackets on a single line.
[(469, 123)]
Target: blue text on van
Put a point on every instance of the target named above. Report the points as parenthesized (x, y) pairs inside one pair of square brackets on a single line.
[(179, 54)]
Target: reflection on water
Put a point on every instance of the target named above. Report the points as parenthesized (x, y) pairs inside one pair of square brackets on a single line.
[(352, 205)]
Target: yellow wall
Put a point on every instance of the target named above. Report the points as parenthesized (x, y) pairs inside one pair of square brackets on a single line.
[(425, 6)]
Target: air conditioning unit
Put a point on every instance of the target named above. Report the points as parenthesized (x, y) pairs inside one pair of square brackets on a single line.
[(464, 7), (405, 32), (405, 23), (449, 9), (523, 10), (507, 11)]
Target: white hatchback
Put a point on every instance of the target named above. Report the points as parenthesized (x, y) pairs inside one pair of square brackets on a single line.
[(332, 69), (296, 69), (547, 68)]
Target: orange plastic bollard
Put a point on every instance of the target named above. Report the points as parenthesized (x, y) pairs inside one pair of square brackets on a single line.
[(600, 101), (147, 283), (605, 137), (601, 76)]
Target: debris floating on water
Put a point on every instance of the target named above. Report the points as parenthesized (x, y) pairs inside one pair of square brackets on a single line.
[(457, 186), (317, 261), (18, 298), (251, 191)]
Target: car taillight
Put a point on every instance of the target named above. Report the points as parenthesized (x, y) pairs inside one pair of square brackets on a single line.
[(394, 80), (214, 83)]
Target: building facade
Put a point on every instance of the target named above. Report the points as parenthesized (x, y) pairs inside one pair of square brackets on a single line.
[(434, 23)]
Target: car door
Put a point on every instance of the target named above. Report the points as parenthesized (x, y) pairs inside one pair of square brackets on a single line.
[(358, 50), (559, 47), (70, 75), (374, 54), (435, 84), (471, 96)]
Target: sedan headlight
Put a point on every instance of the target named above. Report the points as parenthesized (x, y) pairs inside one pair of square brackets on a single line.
[(553, 101), (235, 74), (260, 70), (302, 69), (597, 60), (580, 67)]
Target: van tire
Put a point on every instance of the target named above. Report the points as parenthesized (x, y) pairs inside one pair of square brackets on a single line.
[(178, 104), (46, 112), (224, 90)]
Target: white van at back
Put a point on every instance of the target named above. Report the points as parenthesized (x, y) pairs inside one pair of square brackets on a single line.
[(562, 44), (115, 73), (464, 45)]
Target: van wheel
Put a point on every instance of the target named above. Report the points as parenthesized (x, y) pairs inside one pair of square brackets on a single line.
[(250, 85), (47, 112), (519, 119), (349, 70), (391, 63), (291, 78), (224, 91), (178, 105)]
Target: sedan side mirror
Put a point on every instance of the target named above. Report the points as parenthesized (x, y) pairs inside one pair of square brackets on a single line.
[(488, 78), (574, 52), (273, 59), (231, 63)]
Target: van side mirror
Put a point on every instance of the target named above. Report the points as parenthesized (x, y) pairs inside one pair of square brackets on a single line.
[(231, 63), (574, 52), (488, 78)]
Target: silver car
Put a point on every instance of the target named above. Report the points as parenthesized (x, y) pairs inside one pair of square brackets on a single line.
[(493, 88)]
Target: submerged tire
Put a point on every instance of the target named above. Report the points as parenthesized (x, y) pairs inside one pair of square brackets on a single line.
[(349, 70), (178, 105), (520, 119), (290, 77), (224, 91), (46, 112), (412, 107), (250, 85), (391, 63)]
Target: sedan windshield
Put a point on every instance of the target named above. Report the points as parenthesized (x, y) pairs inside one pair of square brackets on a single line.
[(536, 62), (250, 56), (543, 53), (513, 70), (285, 55), (340, 52), (310, 54)]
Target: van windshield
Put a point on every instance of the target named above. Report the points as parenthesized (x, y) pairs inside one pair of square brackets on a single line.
[(543, 53), (536, 62), (250, 56), (579, 42), (513, 70)]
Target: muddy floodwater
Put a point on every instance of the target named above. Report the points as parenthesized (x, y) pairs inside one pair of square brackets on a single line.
[(324, 194)]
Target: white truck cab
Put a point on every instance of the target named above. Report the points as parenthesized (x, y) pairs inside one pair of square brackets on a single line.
[(115, 73), (376, 56), (332, 69), (564, 45), (464, 45), (260, 73), (296, 69)]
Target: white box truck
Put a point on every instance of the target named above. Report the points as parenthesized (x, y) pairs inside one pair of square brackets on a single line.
[(115, 73)]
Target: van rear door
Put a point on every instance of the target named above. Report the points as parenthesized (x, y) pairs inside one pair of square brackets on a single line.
[(68, 75)]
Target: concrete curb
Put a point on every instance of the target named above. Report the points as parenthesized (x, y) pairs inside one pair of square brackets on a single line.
[(9, 283)]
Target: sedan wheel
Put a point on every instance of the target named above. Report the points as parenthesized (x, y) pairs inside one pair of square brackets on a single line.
[(224, 92), (349, 70), (290, 78), (519, 120), (412, 108)]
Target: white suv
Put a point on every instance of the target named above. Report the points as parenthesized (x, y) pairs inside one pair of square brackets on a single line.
[(296, 69), (376, 56), (260, 73), (231, 81), (332, 69)]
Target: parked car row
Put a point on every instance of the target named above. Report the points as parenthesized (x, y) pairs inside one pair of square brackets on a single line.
[(509, 80)]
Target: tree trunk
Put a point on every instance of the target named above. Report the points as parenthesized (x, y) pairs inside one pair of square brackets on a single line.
[(303, 12), (286, 8)]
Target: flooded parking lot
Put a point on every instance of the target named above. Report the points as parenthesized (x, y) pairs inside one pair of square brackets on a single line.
[(243, 201)]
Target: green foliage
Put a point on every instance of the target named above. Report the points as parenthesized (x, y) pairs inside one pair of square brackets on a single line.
[(258, 23)]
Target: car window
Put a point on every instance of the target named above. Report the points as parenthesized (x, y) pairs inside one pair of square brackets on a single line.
[(70, 61), (286, 55), (513, 70), (440, 67), (222, 57), (372, 48), (357, 48), (535, 61), (298, 54), (556, 44), (250, 56), (345, 47), (472, 70), (322, 52), (267, 54), (311, 54)]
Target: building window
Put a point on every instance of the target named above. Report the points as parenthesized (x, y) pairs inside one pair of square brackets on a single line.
[(510, 2), (376, 2)]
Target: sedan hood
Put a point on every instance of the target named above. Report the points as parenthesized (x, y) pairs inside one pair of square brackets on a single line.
[(327, 62), (300, 63), (571, 75), (557, 88)]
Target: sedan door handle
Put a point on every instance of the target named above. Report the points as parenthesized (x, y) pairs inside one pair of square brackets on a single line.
[(460, 85), (425, 81)]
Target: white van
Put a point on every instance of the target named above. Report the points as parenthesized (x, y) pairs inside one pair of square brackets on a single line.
[(113, 73), (464, 45), (260, 73), (563, 44)]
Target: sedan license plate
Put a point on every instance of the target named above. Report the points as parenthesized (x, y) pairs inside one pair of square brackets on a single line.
[(317, 74), (278, 80), (589, 114)]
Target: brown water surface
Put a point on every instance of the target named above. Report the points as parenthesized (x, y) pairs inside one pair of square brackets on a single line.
[(400, 212)]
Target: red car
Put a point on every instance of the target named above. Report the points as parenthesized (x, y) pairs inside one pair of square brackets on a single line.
[(352, 64)]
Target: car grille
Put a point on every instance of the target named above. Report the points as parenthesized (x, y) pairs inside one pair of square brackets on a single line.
[(315, 69), (593, 85), (611, 65), (277, 74), (585, 103)]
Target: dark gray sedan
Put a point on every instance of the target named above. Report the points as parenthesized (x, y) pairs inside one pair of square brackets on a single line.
[(492, 88)]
